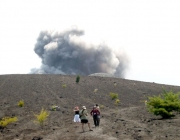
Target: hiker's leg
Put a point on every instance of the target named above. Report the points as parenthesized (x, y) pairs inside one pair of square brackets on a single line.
[(89, 126), (98, 121), (83, 127), (94, 118)]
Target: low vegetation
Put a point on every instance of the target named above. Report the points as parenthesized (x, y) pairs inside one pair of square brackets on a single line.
[(77, 79), (95, 90), (55, 108), (165, 104), (21, 103), (117, 102), (101, 106), (42, 117), (115, 84), (64, 85), (7, 120), (113, 95)]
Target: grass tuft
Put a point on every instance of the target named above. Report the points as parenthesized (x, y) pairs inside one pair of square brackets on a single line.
[(21, 103), (113, 95), (7, 120), (42, 117)]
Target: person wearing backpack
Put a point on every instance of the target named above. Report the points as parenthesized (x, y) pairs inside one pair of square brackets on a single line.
[(95, 113), (98, 108), (83, 113)]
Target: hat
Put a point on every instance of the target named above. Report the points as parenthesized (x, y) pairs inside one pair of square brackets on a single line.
[(83, 107)]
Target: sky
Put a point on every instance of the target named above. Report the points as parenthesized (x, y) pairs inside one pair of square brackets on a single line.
[(147, 31)]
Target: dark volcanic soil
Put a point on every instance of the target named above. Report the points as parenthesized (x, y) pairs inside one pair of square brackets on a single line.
[(128, 121)]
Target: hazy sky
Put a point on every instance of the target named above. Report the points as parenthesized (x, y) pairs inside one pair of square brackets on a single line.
[(148, 31)]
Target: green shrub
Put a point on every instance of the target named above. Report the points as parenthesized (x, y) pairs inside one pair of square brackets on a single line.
[(164, 104), (113, 95), (95, 90), (41, 117), (7, 120), (21, 103), (117, 102), (64, 85), (101, 106), (53, 108), (77, 79)]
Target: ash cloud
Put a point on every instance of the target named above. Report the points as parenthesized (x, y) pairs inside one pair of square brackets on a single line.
[(67, 53)]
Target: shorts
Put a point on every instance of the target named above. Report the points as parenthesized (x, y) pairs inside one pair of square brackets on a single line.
[(84, 121)]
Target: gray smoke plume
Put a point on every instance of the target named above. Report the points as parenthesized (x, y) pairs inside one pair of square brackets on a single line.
[(67, 53)]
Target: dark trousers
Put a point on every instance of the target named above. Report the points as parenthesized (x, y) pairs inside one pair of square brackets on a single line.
[(96, 120)]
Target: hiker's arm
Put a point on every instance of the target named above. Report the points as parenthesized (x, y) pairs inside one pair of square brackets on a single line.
[(91, 112)]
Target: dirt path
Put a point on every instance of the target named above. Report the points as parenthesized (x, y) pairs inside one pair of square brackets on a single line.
[(98, 132)]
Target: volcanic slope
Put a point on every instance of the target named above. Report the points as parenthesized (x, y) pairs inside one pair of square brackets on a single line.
[(128, 121)]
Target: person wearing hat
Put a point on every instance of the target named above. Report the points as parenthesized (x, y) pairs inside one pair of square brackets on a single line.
[(83, 113), (76, 116)]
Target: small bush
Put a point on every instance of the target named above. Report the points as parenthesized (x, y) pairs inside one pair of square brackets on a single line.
[(77, 79), (21, 103), (95, 90), (7, 120), (41, 117), (117, 102), (64, 85), (55, 108), (113, 96), (101, 106), (115, 84), (164, 104)]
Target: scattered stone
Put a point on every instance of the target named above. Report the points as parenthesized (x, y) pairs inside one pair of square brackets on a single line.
[(37, 138)]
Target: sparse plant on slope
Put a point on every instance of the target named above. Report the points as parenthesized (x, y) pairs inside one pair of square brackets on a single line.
[(115, 84), (113, 95), (41, 118), (55, 108), (77, 79), (117, 102), (64, 85), (164, 104), (21, 103), (95, 90), (101, 106), (7, 120)]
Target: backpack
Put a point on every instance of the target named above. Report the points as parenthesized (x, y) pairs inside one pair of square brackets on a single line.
[(81, 114)]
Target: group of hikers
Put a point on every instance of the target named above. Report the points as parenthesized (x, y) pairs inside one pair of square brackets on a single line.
[(81, 116)]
